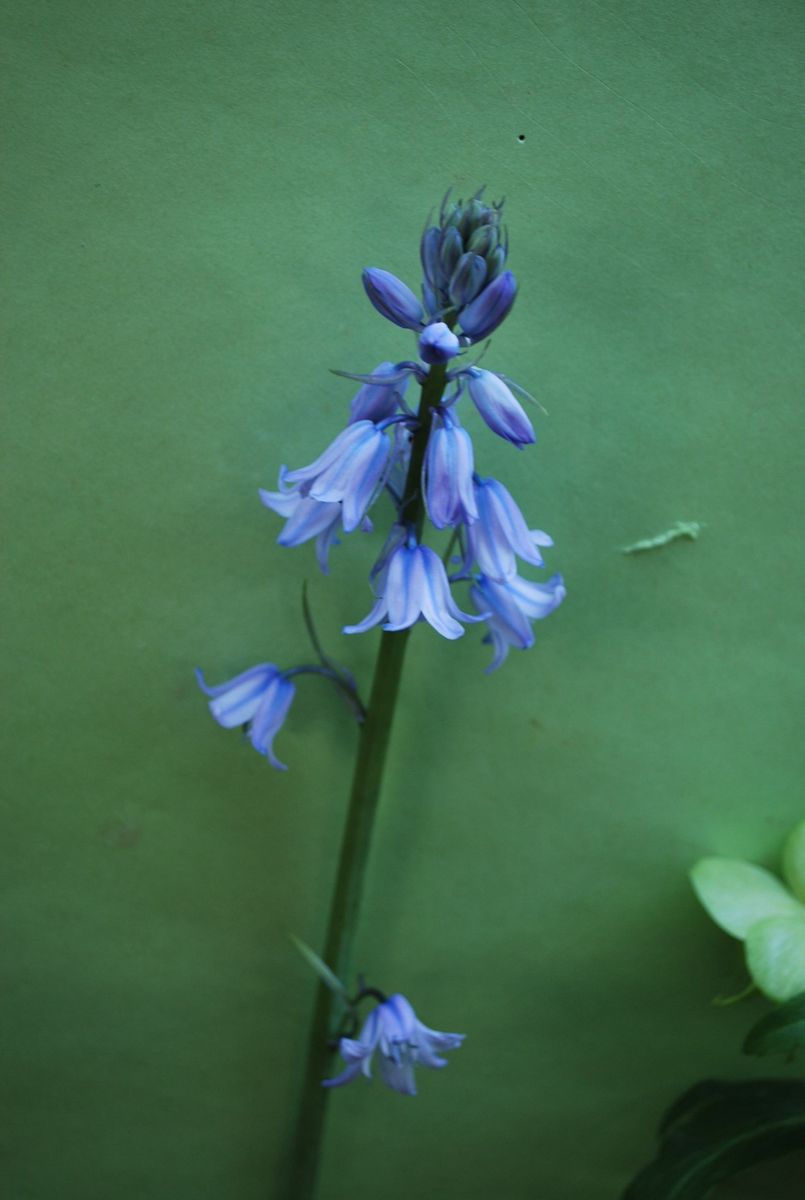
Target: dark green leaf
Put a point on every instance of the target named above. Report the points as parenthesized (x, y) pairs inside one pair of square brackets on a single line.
[(716, 1129), (779, 1032)]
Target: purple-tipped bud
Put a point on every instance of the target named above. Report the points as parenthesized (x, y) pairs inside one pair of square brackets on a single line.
[(438, 343), (393, 299), (502, 412), (451, 251), (467, 279), (493, 305)]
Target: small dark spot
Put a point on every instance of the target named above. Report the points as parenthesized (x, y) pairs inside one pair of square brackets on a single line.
[(535, 724), (520, 137)]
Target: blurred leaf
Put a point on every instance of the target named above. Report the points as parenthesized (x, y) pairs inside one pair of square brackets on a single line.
[(738, 894), (716, 1129), (794, 861), (779, 1032), (775, 955), (319, 966)]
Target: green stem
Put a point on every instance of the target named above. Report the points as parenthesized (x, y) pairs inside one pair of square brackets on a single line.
[(366, 785)]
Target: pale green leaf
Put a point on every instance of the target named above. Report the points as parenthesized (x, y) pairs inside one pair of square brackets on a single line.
[(775, 956), (794, 861), (738, 894)]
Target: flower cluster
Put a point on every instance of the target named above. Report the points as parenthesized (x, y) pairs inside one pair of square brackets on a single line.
[(425, 462)]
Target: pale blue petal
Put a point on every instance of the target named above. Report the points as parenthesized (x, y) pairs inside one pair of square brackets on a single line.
[(270, 716), (374, 618)]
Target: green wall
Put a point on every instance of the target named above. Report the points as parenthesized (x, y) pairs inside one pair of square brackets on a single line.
[(192, 191)]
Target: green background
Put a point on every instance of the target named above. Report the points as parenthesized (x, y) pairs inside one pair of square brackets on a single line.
[(193, 190)]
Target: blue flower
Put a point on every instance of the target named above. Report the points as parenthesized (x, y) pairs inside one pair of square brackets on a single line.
[(350, 470), (377, 401), (447, 471), (306, 518), (259, 699), (511, 606), (393, 299), (438, 343), (403, 1041), (500, 533), (413, 585), (503, 414), (487, 311)]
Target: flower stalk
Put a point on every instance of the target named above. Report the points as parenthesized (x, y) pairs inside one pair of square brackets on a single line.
[(367, 781)]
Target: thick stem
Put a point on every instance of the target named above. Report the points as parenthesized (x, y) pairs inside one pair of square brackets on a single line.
[(366, 785)]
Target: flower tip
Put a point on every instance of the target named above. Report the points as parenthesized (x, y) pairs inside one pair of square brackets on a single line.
[(392, 298)]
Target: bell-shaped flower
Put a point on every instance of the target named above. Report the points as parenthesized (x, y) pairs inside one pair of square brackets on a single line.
[(752, 904), (447, 472), (511, 605), (413, 586), (305, 518), (258, 699), (393, 299), (377, 401), (438, 343), (403, 1043), (497, 405), (350, 470), (500, 533), (490, 308)]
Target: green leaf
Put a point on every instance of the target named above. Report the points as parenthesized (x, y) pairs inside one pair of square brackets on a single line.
[(716, 1129), (738, 894), (775, 955), (324, 973), (794, 861), (779, 1032)]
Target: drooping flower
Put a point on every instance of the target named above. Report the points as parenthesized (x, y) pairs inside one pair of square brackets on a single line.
[(412, 585), (259, 699), (376, 401), (447, 471), (403, 1042), (350, 470), (487, 311), (753, 905), (438, 343), (500, 533), (497, 405), (306, 518), (511, 605), (393, 299)]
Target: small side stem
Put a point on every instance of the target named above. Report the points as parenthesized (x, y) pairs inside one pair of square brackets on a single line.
[(366, 785)]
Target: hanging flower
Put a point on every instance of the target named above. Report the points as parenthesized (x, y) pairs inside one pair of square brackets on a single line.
[(403, 1043)]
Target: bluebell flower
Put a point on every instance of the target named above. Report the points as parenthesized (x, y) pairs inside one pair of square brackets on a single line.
[(511, 605), (490, 308), (306, 518), (351, 470), (377, 401), (403, 1042), (497, 405), (447, 472), (500, 533), (413, 585), (438, 343), (393, 299), (259, 699)]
